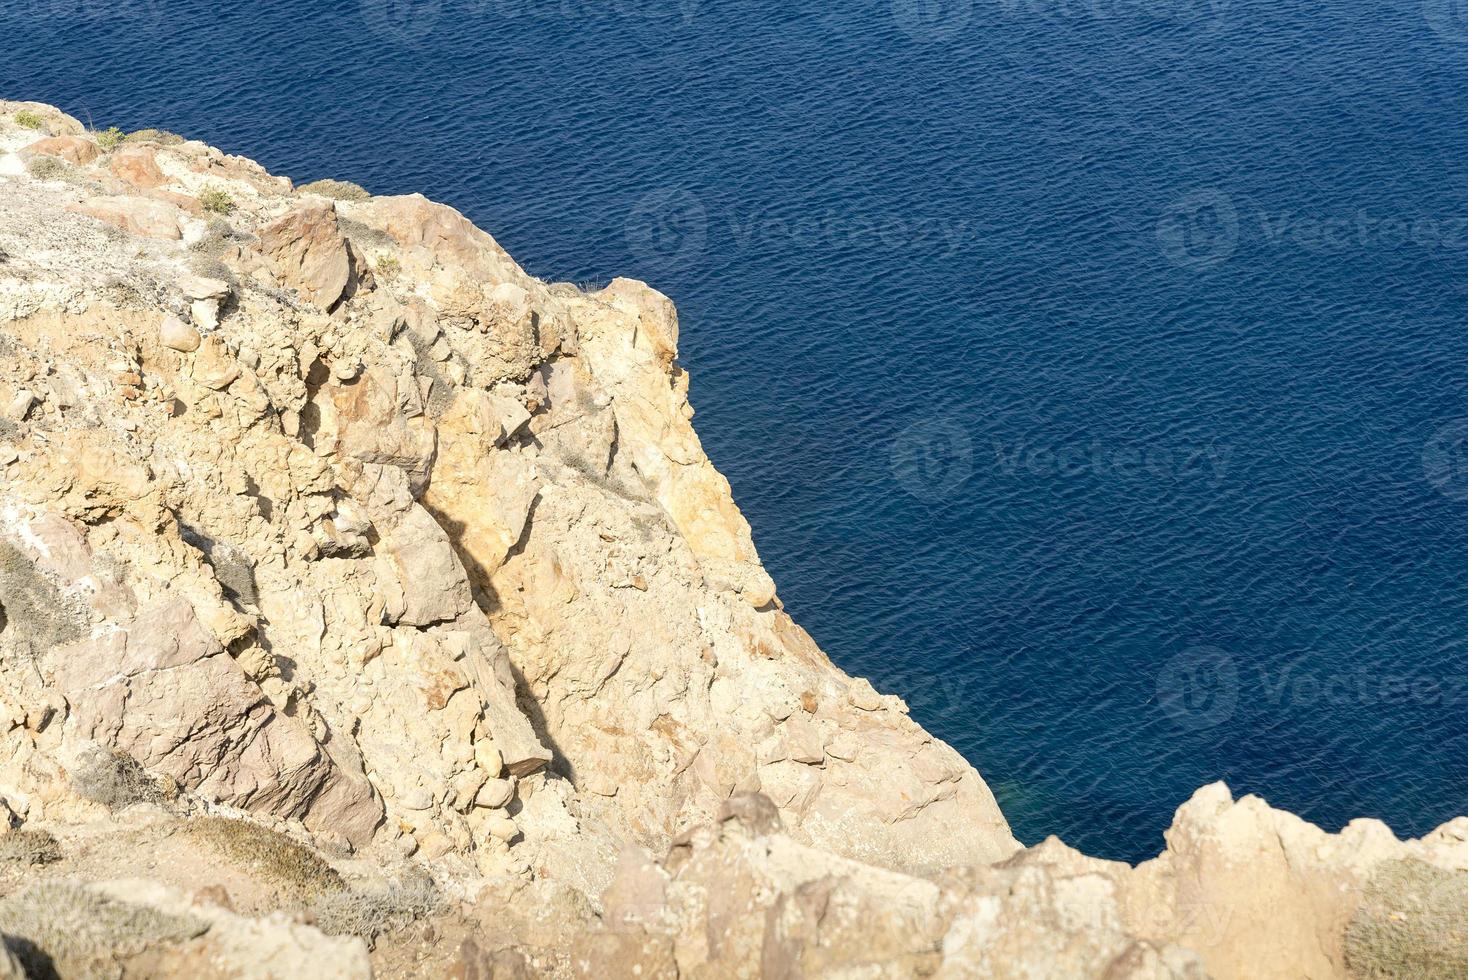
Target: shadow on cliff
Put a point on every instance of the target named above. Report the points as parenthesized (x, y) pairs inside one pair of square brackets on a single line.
[(488, 601)]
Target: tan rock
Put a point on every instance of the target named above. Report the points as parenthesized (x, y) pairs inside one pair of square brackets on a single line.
[(495, 793), (213, 365), (138, 166), (163, 691), (501, 827), (20, 406), (306, 249), (177, 335), (77, 150), (135, 215)]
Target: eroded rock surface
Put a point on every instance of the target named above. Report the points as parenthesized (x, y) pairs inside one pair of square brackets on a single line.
[(326, 515)]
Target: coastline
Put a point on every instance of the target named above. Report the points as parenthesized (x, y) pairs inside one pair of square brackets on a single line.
[(322, 513)]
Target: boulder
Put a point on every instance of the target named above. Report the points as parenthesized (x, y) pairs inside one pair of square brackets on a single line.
[(177, 335), (307, 251), (136, 215), (137, 166), (77, 150)]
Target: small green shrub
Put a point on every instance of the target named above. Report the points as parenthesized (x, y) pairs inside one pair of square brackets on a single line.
[(387, 266), (339, 190), (271, 856), (216, 200), (1412, 922), (29, 120), (27, 846), (160, 136), (109, 138)]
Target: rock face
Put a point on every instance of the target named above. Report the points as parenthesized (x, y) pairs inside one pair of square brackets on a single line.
[(328, 514)]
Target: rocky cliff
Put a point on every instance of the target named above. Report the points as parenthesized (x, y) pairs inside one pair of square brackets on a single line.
[(360, 588)]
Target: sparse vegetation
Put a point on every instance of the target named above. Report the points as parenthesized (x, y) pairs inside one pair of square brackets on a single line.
[(217, 237), (1412, 922), (109, 138), (29, 120), (31, 847), (371, 913), (338, 190), (64, 928), (216, 200), (114, 780), (43, 167), (269, 855), (387, 266), (160, 136)]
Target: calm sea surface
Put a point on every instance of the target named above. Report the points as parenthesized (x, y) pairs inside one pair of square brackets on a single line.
[(1094, 374)]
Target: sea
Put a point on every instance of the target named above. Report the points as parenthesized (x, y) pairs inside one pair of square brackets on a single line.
[(1094, 373)]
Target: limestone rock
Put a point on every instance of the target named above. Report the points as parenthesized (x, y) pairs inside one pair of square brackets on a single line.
[(161, 690), (138, 166), (307, 251), (136, 216), (77, 150), (177, 335)]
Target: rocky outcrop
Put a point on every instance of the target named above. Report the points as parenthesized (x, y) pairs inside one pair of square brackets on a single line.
[(327, 515)]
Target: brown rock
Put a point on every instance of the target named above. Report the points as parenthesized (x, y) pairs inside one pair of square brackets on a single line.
[(77, 150), (138, 166), (163, 691), (307, 251), (135, 215)]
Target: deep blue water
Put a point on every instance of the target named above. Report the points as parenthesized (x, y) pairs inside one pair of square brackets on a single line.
[(1088, 370)]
